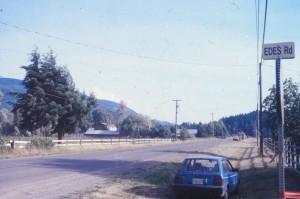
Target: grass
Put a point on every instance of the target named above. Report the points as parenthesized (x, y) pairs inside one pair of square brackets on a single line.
[(153, 181), (162, 175), (258, 183), (9, 153), (258, 177)]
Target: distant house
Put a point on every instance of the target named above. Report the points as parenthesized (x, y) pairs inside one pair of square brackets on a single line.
[(191, 132), (105, 126), (91, 132), (242, 135)]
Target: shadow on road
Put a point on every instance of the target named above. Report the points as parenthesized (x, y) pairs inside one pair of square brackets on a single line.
[(96, 166)]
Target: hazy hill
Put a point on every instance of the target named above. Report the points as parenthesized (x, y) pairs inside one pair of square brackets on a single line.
[(9, 85), (14, 85)]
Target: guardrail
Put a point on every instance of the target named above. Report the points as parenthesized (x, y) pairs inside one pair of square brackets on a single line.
[(291, 153), (109, 141), (79, 142), (17, 144)]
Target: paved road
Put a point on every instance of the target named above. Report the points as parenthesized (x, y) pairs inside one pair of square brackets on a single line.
[(56, 176)]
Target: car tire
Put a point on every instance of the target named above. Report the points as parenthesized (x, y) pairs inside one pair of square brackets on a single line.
[(179, 195), (225, 195), (237, 189)]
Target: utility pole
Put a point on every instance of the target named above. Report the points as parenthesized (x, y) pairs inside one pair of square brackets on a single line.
[(258, 122), (261, 151), (176, 112), (213, 126)]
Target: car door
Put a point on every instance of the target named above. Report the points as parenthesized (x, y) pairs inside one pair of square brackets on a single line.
[(230, 174)]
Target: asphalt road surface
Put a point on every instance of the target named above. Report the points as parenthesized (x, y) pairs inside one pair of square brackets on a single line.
[(56, 176)]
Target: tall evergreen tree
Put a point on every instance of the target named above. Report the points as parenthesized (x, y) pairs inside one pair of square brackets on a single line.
[(51, 99), (241, 123), (201, 131)]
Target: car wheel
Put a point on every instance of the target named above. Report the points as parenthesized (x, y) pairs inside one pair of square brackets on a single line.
[(225, 195), (237, 189), (178, 195)]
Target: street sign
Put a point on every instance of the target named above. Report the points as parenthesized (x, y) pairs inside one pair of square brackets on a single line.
[(285, 50), (279, 51)]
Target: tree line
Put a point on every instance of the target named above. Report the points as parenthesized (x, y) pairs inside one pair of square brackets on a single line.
[(51, 105)]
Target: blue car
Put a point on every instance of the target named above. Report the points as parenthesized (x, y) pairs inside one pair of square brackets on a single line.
[(206, 177)]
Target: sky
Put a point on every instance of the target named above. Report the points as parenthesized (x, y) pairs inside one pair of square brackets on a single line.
[(149, 52)]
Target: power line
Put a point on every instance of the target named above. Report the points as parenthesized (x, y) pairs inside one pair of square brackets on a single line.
[(257, 10), (128, 70), (286, 69), (265, 24), (119, 52), (219, 108)]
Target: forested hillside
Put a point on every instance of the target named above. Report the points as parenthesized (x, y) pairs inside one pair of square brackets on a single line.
[(241, 123)]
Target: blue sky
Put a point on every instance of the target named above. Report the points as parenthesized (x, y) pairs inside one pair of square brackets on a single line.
[(149, 53)]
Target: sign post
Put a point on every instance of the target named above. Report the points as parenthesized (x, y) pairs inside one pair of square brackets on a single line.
[(279, 51), (280, 119)]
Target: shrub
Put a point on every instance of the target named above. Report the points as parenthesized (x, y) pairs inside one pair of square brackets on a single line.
[(3, 141), (184, 134), (41, 143)]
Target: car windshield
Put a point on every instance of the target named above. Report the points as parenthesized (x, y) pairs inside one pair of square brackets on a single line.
[(200, 165)]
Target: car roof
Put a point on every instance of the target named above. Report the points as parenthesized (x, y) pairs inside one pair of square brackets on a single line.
[(207, 158)]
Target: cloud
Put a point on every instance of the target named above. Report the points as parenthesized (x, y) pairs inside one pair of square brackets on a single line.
[(101, 94)]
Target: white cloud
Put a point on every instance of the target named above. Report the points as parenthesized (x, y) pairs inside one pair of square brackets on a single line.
[(101, 94)]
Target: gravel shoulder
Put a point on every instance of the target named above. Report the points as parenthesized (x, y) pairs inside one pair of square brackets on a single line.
[(258, 176)]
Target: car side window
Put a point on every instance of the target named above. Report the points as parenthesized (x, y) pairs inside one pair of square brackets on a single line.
[(187, 165), (230, 165), (226, 166)]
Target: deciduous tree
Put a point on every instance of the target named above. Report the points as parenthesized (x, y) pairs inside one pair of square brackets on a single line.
[(100, 117), (121, 113), (291, 111)]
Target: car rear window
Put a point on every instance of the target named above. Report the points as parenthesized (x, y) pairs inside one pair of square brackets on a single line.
[(200, 165)]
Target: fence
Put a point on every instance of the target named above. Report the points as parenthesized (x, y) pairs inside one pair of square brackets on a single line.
[(291, 153), (78, 142)]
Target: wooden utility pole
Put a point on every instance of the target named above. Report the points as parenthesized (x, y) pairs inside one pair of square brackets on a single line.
[(176, 112), (212, 121)]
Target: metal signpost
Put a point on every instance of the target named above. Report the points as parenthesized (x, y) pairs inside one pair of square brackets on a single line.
[(279, 51)]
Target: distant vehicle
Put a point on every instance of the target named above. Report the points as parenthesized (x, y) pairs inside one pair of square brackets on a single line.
[(236, 139), (207, 177)]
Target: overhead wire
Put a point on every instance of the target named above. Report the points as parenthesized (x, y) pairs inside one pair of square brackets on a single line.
[(218, 108), (265, 24), (120, 52)]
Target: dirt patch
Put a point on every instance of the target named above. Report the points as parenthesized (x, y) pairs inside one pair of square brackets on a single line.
[(258, 176)]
